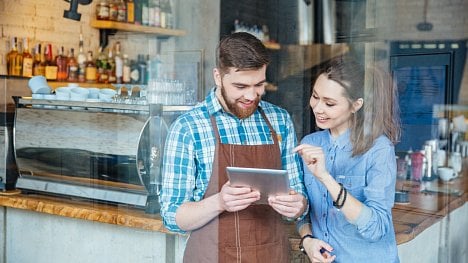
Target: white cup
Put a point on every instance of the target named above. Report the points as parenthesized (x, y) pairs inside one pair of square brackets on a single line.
[(446, 173), (106, 95), (79, 94), (38, 84)]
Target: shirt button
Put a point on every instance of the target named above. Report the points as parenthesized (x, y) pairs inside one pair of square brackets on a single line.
[(326, 234), (324, 215), (331, 158)]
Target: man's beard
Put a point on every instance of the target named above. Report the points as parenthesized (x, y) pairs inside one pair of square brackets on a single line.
[(240, 112)]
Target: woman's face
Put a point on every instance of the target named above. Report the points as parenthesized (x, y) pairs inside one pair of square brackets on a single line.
[(331, 108)]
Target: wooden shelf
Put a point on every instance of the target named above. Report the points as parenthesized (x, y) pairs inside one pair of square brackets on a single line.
[(56, 84), (106, 24)]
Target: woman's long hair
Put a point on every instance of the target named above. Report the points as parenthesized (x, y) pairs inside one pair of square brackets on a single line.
[(379, 114)]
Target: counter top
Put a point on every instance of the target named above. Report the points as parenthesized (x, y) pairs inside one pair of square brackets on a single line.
[(87, 210), (424, 209)]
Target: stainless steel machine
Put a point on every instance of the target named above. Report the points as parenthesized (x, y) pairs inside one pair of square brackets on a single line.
[(102, 151)]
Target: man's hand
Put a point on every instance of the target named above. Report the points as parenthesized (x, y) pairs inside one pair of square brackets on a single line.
[(292, 205), (237, 198)]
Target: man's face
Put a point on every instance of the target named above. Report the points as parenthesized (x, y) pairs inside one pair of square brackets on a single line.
[(240, 91)]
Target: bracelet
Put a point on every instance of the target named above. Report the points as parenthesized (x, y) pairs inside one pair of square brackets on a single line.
[(335, 203), (344, 199), (301, 247)]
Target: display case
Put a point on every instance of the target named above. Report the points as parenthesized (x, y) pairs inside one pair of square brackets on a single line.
[(108, 152)]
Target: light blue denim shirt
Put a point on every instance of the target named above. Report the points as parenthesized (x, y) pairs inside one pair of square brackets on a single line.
[(370, 178)]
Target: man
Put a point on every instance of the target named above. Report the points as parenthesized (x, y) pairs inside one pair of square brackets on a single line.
[(232, 127)]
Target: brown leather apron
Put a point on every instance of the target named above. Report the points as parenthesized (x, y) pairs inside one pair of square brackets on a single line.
[(255, 234)]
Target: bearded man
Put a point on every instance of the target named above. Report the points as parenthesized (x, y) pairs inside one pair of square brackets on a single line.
[(231, 127)]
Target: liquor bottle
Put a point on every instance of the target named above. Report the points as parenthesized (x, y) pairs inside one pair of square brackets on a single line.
[(50, 68), (134, 72), (81, 59), (27, 60), (61, 62), (37, 60), (137, 13), (111, 66), (39, 68), (14, 59), (144, 12), (130, 11), (72, 67), (90, 68), (157, 13), (151, 7), (101, 66), (118, 64), (122, 13), (126, 69), (113, 10), (142, 70), (102, 10)]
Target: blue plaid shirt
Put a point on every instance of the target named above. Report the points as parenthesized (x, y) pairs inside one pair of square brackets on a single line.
[(190, 146)]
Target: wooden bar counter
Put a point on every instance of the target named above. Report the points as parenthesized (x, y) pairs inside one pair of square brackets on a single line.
[(425, 208)]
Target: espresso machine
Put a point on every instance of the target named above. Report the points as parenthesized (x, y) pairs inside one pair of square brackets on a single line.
[(101, 151)]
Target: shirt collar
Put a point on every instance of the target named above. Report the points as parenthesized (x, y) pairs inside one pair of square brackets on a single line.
[(343, 141)]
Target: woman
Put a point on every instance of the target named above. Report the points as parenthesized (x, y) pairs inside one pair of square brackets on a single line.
[(350, 167)]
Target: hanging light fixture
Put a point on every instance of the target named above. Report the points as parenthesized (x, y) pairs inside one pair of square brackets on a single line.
[(424, 26), (73, 12)]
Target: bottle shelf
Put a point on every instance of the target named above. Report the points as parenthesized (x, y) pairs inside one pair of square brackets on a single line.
[(107, 24), (55, 84)]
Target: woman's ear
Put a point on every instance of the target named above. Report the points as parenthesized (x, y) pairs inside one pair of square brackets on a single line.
[(357, 104)]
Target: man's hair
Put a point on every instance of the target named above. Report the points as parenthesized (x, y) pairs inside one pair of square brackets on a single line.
[(242, 51)]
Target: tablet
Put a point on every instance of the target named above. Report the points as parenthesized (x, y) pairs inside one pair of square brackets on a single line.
[(267, 181)]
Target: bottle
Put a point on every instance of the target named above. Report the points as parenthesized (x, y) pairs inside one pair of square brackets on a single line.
[(137, 16), (134, 72), (151, 7), (90, 68), (101, 66), (144, 12), (157, 13), (130, 11), (126, 69), (81, 59), (50, 68), (163, 14), (122, 13), (118, 64), (113, 10), (142, 71), (14, 59), (72, 67), (38, 66), (27, 60), (111, 66), (61, 62), (102, 10)]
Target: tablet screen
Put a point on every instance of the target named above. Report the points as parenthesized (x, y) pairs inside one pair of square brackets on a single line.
[(267, 181)]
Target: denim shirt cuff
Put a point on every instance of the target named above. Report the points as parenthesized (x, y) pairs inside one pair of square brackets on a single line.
[(363, 218)]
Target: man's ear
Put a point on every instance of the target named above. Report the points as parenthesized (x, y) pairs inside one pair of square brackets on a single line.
[(217, 77), (357, 104)]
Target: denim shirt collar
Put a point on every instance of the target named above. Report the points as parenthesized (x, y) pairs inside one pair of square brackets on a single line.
[(343, 141)]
